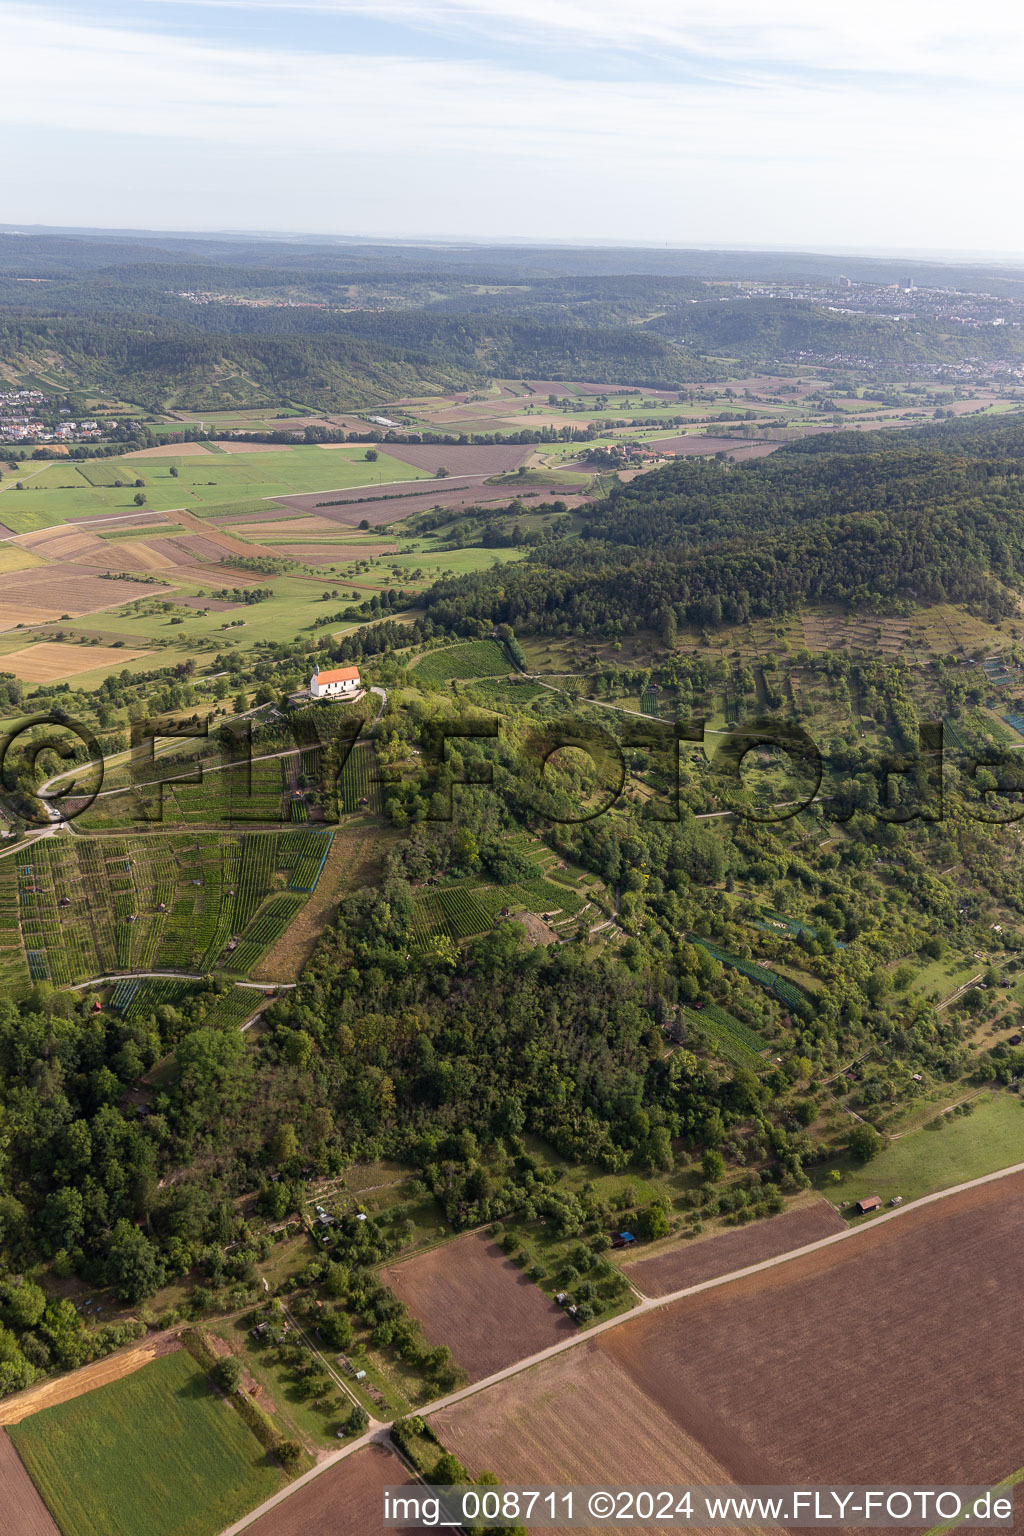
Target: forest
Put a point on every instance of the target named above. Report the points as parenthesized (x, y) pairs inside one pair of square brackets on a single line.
[(893, 518)]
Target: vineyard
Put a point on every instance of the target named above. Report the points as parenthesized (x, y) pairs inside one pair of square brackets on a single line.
[(787, 991), (478, 658), (729, 1037), (454, 911), (359, 788), (267, 927), (460, 911), (73, 909), (311, 858)]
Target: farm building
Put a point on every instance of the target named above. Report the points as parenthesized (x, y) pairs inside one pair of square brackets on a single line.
[(869, 1203), (342, 683)]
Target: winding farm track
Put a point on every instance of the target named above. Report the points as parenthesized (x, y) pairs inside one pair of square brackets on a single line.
[(648, 1305)]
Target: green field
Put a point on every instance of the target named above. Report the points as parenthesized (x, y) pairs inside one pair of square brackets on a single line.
[(205, 481), (155, 1454), (924, 1160)]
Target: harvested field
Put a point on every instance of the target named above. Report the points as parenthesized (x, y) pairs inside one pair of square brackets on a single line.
[(63, 1389), (286, 527), (122, 520), (64, 544), (49, 661), (346, 1500), (230, 445), (319, 554), (729, 1251), (469, 1296), (890, 1350), (683, 446), (45, 593), (498, 459), (579, 1418), (189, 549), (353, 507), (25, 1514), (172, 451)]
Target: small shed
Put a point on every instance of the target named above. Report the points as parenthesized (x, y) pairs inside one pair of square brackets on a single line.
[(869, 1203)]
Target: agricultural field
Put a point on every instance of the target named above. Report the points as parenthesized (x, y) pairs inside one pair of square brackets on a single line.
[(735, 1374), (343, 1501), (52, 661), (478, 658), (579, 1418), (71, 910), (158, 1453), (65, 490), (25, 1514), (706, 1258), (469, 1296)]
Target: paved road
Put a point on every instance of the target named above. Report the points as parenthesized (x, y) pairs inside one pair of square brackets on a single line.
[(647, 1304)]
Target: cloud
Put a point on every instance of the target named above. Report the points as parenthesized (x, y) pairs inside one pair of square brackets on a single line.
[(941, 40), (740, 152), (89, 76)]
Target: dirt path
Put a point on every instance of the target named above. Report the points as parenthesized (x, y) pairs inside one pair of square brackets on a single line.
[(46, 1394)]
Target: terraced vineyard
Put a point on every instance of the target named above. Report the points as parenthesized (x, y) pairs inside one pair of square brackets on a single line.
[(454, 911), (359, 789), (478, 658), (787, 991), (75, 909), (730, 1037), (312, 856), (265, 929)]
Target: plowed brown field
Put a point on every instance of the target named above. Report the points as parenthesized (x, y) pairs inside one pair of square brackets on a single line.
[(892, 1355), (48, 592), (347, 1500), (24, 1513), (722, 1255), (579, 1418), (497, 459), (682, 447), (353, 507), (469, 1296)]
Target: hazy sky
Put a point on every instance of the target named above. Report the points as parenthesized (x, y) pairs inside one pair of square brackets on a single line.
[(889, 124)]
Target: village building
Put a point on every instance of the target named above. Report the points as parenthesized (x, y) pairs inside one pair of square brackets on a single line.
[(341, 683)]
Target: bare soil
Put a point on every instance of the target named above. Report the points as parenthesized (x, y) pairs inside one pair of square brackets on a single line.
[(893, 1352), (730, 1251), (578, 1418), (353, 507), (684, 446), (498, 459), (24, 1513), (469, 1296), (45, 592), (346, 1500), (50, 660)]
